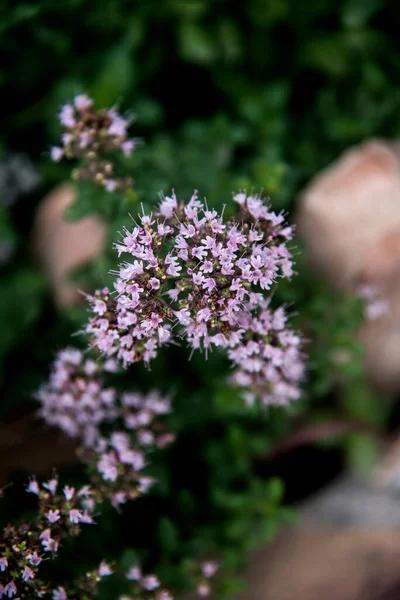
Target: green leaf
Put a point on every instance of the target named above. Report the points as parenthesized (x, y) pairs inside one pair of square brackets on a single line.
[(328, 54), (93, 199), (21, 12), (357, 12), (21, 296), (196, 44), (8, 236), (230, 41), (129, 558), (189, 9), (275, 490), (85, 202), (116, 76), (168, 536)]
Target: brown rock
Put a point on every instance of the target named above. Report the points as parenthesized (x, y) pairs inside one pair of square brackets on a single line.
[(29, 446), (315, 563), (349, 219), (347, 547), (62, 246)]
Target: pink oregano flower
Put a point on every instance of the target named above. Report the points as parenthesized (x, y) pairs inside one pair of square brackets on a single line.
[(89, 135), (24, 547), (116, 429), (189, 274)]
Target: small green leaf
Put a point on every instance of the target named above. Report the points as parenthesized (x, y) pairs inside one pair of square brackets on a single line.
[(275, 490), (116, 76), (168, 536), (196, 44), (356, 13)]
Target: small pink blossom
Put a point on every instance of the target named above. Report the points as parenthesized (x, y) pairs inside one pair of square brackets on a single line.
[(67, 116), (150, 582), (53, 515), (209, 568), (203, 590), (82, 102), (85, 491), (118, 127), (69, 492), (33, 486), (75, 516), (110, 185), (10, 589), (60, 594), (104, 569), (164, 595), (154, 283), (51, 485), (56, 153), (134, 573), (67, 138), (127, 147), (34, 559), (86, 518), (85, 139), (27, 574), (48, 543)]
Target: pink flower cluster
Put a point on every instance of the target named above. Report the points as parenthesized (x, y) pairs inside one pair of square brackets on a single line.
[(89, 134), (75, 399), (148, 587), (24, 548), (145, 587), (142, 413), (188, 274), (117, 467), (268, 363), (114, 428)]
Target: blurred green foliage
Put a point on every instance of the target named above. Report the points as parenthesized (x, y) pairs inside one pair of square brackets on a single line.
[(258, 94)]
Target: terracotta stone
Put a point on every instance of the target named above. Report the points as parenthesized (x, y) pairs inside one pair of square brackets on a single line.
[(346, 546), (62, 246), (29, 446), (349, 219), (315, 563)]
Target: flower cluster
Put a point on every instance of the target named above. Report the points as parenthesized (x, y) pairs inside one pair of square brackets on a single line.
[(89, 134), (148, 587), (75, 399), (23, 548), (61, 513), (268, 362), (189, 275), (142, 414), (113, 428), (86, 587), (145, 587), (116, 469)]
